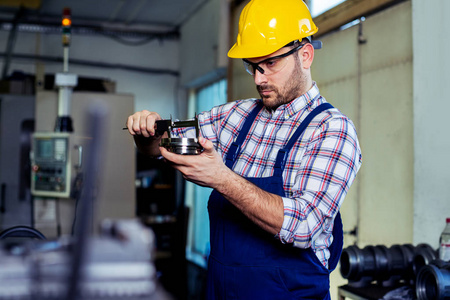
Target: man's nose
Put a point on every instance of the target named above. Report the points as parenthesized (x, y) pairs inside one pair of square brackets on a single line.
[(259, 77)]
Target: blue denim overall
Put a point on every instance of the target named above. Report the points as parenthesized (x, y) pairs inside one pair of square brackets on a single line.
[(247, 262)]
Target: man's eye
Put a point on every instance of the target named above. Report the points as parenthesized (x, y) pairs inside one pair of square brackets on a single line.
[(271, 63)]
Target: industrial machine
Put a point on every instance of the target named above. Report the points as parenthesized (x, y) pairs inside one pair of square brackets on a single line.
[(114, 261), (116, 264), (61, 138), (117, 199), (51, 169), (51, 155)]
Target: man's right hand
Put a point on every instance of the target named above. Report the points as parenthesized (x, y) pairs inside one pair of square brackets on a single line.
[(142, 123), (142, 126)]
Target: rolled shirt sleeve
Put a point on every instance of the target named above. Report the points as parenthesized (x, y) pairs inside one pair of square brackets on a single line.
[(328, 168)]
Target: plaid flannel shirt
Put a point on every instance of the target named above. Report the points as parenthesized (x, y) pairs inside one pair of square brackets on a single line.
[(318, 172)]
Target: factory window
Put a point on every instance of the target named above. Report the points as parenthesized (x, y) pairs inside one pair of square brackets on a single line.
[(197, 197), (318, 7)]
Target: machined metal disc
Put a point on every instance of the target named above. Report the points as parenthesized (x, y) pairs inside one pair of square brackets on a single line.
[(187, 146)]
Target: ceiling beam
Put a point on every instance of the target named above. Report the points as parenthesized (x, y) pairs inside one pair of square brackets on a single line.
[(30, 4), (348, 11), (52, 24)]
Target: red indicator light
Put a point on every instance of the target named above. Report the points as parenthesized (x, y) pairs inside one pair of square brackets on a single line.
[(67, 12)]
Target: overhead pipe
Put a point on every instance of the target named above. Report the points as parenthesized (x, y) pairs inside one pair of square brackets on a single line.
[(96, 64)]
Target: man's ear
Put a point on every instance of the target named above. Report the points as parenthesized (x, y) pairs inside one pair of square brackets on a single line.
[(307, 55)]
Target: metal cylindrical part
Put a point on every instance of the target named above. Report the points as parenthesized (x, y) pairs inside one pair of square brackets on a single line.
[(401, 261), (358, 263), (361, 266), (433, 281), (351, 263), (423, 255), (186, 146)]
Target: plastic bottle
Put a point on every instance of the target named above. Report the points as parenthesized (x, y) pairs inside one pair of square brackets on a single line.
[(444, 241)]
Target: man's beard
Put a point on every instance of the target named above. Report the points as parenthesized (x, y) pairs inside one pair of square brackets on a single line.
[(291, 90)]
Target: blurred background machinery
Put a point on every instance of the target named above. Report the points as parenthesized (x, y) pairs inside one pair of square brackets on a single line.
[(115, 264), (397, 272), (118, 264)]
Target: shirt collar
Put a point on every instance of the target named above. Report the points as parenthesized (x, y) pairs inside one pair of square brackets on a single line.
[(305, 101)]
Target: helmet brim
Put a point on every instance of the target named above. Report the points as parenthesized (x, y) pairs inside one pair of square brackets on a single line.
[(250, 52)]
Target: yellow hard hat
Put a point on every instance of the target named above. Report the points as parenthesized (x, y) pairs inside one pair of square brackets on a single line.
[(268, 25)]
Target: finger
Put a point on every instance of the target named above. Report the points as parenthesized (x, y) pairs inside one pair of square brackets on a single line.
[(130, 125), (206, 144), (135, 123), (150, 124), (169, 156), (151, 121), (141, 120), (175, 159)]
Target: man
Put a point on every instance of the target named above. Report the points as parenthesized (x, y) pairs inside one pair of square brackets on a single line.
[(280, 166)]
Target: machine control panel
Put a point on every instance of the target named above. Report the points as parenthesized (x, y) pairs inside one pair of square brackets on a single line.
[(50, 170)]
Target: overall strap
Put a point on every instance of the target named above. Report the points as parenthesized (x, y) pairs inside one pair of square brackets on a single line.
[(282, 153), (236, 145)]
